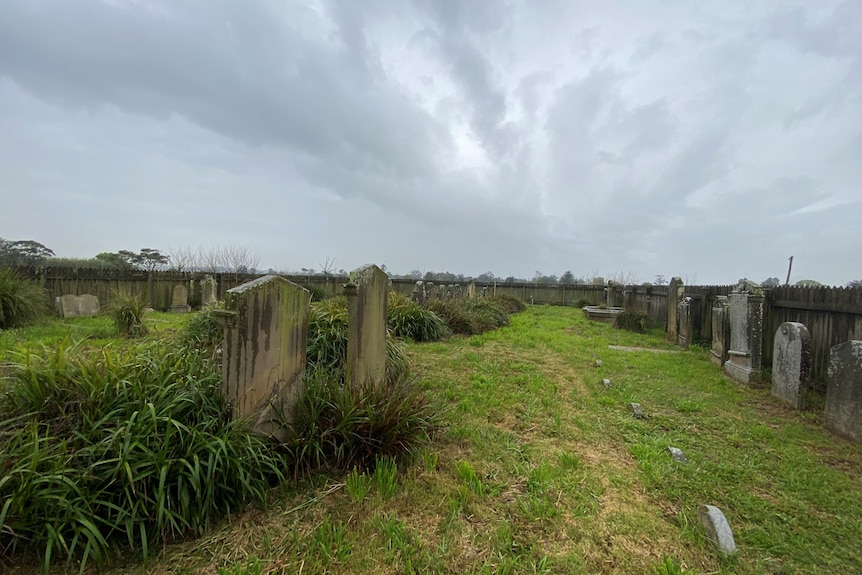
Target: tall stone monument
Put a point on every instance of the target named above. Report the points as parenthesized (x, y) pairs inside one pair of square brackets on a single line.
[(209, 291), (675, 291), (367, 299), (686, 323), (746, 331)]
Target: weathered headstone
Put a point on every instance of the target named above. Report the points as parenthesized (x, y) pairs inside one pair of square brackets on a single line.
[(720, 330), (609, 294), (263, 356), (367, 297), (418, 294), (471, 290), (746, 332), (430, 291), (674, 295), (677, 454), (686, 323), (69, 305), (844, 390), (791, 364), (209, 291), (180, 299), (717, 528)]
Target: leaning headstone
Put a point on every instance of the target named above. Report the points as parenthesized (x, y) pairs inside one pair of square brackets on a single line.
[(720, 330), (367, 296), (636, 410), (263, 356), (677, 454), (418, 294), (717, 528), (180, 299), (791, 364), (686, 323), (209, 291), (674, 295), (746, 331), (69, 306), (844, 390)]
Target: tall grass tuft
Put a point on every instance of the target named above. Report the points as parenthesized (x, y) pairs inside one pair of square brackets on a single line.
[(326, 349), (509, 303), (470, 316), (21, 301), (407, 319), (203, 331), (120, 448), (633, 319), (128, 310), (341, 427)]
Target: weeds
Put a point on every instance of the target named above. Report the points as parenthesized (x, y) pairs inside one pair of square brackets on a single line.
[(21, 301), (120, 447), (128, 310), (409, 320)]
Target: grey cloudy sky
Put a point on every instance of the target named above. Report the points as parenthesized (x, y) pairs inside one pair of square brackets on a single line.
[(680, 138)]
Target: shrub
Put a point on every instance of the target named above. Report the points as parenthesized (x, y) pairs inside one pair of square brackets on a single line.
[(509, 303), (342, 427), (632, 319), (203, 331), (489, 315), (409, 320), (21, 301), (127, 311), (120, 447), (326, 349), (458, 319), (317, 292)]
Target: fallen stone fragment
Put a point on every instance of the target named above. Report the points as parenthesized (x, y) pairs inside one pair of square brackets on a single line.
[(606, 382), (677, 454), (598, 363), (636, 410), (717, 528)]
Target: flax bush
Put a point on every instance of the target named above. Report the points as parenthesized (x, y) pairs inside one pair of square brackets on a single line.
[(120, 448), (21, 301)]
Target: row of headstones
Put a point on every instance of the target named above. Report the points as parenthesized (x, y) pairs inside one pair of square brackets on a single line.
[(265, 325), (87, 305), (737, 334), (426, 291)]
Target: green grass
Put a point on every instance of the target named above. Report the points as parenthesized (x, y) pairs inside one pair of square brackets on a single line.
[(541, 469)]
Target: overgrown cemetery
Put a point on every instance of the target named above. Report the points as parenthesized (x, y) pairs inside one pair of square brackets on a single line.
[(359, 424)]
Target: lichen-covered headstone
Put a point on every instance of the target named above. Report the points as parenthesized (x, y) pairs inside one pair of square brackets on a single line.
[(263, 356), (180, 299), (675, 292), (717, 528), (746, 332), (686, 323), (844, 390), (791, 364), (720, 330), (209, 291), (367, 298), (70, 305)]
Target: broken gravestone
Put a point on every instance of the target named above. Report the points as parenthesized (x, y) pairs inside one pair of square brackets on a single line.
[(844, 390), (717, 529), (791, 364), (636, 410), (69, 305), (677, 454), (606, 382), (263, 356), (720, 330), (675, 292)]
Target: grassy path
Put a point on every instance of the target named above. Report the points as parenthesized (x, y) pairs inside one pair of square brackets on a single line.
[(542, 469)]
